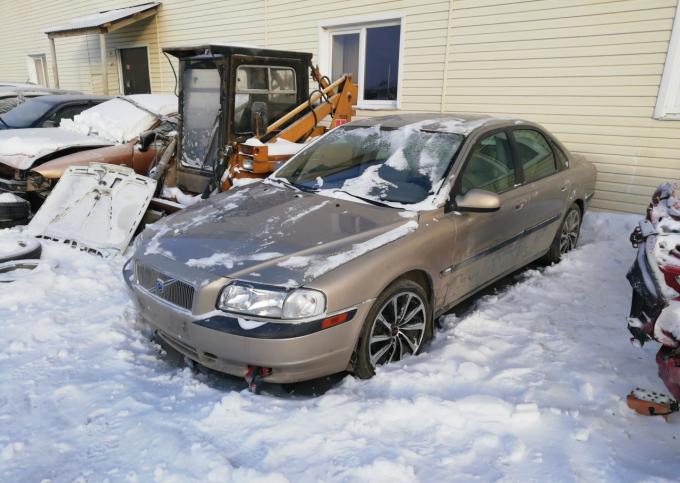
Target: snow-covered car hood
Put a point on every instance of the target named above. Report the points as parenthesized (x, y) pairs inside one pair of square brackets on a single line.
[(21, 148), (270, 234)]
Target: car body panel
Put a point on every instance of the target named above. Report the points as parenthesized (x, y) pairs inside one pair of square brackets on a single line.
[(126, 154), (95, 208), (451, 253), (22, 148)]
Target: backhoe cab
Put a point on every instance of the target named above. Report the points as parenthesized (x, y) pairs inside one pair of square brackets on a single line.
[(231, 94)]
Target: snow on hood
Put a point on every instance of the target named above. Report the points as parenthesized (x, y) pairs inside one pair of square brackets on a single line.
[(20, 148), (120, 121), (288, 238)]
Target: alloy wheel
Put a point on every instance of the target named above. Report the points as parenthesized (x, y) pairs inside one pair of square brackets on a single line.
[(398, 329), (570, 231)]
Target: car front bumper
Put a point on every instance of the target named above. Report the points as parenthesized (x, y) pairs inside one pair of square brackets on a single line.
[(228, 344)]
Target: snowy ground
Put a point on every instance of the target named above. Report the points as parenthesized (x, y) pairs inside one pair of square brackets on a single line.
[(524, 384)]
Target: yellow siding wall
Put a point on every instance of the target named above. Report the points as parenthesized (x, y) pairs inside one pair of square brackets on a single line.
[(589, 70)]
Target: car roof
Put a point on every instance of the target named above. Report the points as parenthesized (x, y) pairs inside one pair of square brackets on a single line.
[(441, 122), (64, 98)]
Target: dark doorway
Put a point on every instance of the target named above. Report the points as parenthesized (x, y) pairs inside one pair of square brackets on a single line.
[(135, 65)]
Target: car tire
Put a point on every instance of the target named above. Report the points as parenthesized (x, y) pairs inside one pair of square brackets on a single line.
[(382, 340), (20, 248), (566, 237), (14, 211)]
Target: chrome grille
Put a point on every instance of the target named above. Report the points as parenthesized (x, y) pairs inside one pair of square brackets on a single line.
[(165, 287)]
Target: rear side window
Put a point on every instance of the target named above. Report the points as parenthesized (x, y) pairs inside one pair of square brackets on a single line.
[(535, 154), (66, 112), (490, 166)]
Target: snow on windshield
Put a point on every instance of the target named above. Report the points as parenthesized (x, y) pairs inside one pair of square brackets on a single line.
[(402, 167), (119, 120)]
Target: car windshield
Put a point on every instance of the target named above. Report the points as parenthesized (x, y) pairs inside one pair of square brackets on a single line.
[(378, 164), (25, 114)]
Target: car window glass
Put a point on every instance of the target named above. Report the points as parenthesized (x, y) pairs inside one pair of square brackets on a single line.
[(379, 163), (535, 154), (562, 160), (66, 112), (490, 166)]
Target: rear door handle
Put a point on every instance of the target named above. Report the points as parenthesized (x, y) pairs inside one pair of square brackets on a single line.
[(520, 205), (564, 187)]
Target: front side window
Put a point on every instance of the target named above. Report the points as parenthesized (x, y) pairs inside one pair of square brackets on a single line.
[(201, 111), (275, 87), (371, 53), (490, 166), (535, 154), (385, 165)]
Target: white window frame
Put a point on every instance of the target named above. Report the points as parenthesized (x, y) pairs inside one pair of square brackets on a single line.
[(669, 90), (354, 25), (32, 63)]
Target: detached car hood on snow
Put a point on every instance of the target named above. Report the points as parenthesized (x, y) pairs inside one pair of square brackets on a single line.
[(271, 234), (21, 148)]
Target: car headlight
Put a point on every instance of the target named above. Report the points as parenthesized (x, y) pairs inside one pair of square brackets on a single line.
[(303, 303), (268, 301)]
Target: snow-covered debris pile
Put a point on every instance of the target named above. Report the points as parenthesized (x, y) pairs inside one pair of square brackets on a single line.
[(120, 120), (527, 384)]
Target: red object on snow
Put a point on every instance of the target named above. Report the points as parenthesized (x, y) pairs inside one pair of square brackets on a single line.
[(668, 361)]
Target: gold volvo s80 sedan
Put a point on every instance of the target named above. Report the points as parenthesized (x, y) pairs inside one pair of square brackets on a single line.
[(342, 259)]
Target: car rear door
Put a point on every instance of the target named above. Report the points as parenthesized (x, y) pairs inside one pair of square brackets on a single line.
[(486, 245), (545, 180)]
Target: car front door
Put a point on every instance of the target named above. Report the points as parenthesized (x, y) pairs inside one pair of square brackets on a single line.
[(486, 245), (546, 184)]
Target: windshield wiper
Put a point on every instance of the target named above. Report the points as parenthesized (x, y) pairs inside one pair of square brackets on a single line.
[(367, 200), (284, 182), (295, 186)]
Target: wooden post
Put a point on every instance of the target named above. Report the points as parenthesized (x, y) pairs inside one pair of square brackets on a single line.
[(104, 62), (55, 71)]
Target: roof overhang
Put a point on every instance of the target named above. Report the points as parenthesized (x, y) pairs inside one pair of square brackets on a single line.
[(106, 21)]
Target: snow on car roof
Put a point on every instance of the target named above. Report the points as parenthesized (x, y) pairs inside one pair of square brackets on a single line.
[(462, 124), (120, 120)]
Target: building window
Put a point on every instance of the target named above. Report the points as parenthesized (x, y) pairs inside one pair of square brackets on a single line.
[(37, 69), (371, 52), (668, 100)]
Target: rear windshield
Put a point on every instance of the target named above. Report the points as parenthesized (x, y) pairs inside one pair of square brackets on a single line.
[(26, 113), (387, 165)]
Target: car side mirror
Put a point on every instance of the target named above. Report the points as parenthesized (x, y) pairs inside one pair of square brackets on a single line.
[(145, 140), (49, 123), (476, 201)]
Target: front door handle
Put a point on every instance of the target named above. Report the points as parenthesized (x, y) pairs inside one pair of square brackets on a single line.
[(564, 187), (520, 205)]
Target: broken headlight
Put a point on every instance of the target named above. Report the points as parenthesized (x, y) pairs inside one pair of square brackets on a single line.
[(269, 301)]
